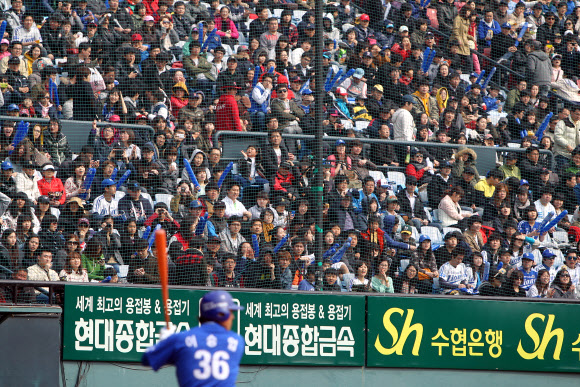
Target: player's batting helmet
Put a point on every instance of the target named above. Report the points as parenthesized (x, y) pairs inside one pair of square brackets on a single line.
[(217, 306)]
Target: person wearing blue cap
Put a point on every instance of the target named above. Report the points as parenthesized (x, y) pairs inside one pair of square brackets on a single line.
[(339, 159), (530, 275), (106, 204), (206, 355), (548, 258), (7, 182), (500, 43), (355, 85)]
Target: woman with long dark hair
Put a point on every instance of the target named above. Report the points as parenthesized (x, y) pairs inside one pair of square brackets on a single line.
[(408, 281), (19, 205), (513, 286), (542, 285), (73, 270), (23, 228), (10, 256), (424, 261), (562, 287)]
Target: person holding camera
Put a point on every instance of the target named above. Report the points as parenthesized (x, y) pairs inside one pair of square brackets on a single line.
[(161, 216), (51, 186), (110, 240)]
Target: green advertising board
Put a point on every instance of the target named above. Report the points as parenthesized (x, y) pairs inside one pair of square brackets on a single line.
[(473, 334), (117, 324)]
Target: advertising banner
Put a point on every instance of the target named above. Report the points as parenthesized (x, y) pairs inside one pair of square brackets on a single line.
[(473, 334), (117, 324)]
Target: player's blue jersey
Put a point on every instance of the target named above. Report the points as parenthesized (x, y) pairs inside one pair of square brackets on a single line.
[(208, 355)]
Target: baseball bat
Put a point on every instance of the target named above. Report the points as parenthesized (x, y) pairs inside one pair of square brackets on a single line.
[(160, 245)]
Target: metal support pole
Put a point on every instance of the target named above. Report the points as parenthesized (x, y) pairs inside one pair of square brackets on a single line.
[(319, 94)]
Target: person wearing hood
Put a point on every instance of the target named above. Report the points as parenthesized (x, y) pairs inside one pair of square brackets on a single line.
[(56, 143), (179, 98), (539, 69), (465, 158), (391, 223)]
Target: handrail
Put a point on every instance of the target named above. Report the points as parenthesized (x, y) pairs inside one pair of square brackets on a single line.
[(364, 140), (64, 284), (99, 123)]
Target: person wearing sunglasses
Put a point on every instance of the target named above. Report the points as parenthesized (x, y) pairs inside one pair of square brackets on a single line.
[(562, 287), (572, 263)]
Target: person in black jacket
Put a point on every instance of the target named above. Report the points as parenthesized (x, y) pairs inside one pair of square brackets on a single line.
[(416, 213), (250, 169), (440, 183), (85, 106), (50, 238), (274, 153), (529, 167), (472, 198), (502, 43), (341, 213)]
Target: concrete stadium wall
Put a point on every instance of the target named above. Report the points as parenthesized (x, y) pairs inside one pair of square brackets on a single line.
[(134, 375)]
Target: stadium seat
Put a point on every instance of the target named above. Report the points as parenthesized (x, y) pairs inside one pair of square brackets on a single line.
[(449, 229), (397, 177), (433, 233), (164, 198)]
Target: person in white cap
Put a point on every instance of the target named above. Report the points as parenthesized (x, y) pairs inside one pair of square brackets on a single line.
[(51, 186)]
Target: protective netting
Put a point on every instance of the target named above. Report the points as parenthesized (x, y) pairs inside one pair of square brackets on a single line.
[(142, 100)]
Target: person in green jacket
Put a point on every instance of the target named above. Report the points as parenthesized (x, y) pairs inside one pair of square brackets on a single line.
[(381, 282), (93, 260), (509, 167)]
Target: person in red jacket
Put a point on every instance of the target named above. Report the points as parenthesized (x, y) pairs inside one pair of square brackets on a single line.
[(227, 114), (418, 167), (286, 178), (51, 186), (374, 234)]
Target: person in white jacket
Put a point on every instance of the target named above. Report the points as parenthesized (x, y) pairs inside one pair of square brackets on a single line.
[(567, 137), (26, 181), (403, 122)]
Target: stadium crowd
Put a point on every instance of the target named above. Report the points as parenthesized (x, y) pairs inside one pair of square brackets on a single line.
[(190, 69)]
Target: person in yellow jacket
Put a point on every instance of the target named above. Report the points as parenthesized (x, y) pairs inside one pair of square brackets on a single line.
[(425, 103), (360, 112)]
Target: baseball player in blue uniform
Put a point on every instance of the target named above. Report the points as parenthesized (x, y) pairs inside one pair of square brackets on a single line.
[(208, 355)]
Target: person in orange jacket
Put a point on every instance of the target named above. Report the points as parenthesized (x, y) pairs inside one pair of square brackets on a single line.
[(51, 186)]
